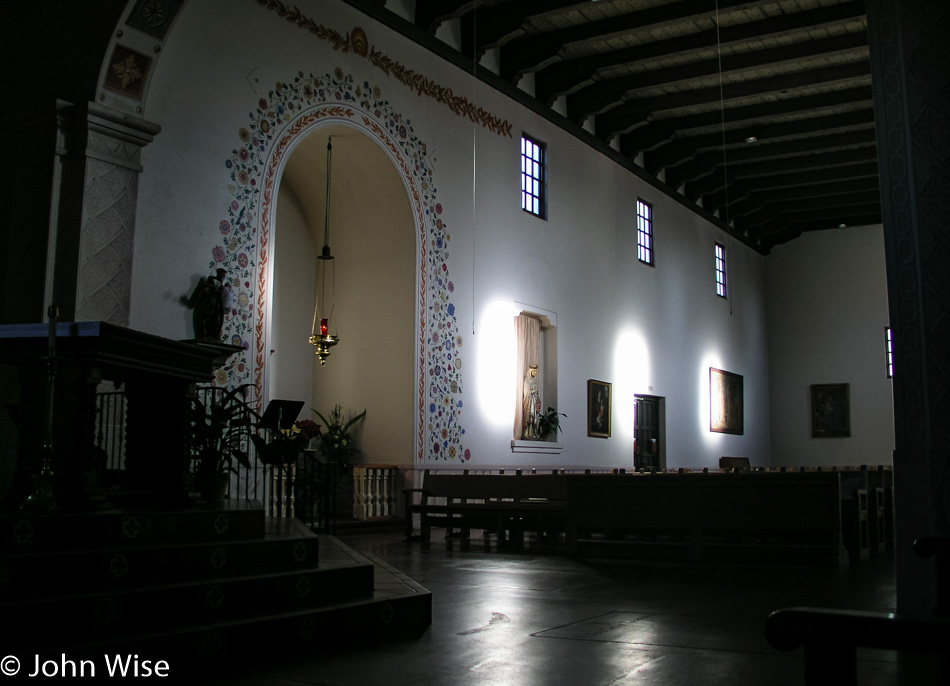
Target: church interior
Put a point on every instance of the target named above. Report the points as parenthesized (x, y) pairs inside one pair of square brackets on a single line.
[(420, 341)]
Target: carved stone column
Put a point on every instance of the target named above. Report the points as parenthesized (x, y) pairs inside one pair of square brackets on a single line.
[(911, 80), (70, 234), (113, 147)]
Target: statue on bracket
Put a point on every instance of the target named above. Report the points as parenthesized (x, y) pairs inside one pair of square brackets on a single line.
[(210, 300), (531, 404)]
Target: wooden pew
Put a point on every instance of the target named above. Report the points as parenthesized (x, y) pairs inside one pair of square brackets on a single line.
[(747, 516), (501, 503), (831, 637)]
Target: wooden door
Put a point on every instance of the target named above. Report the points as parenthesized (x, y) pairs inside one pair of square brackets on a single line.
[(646, 444)]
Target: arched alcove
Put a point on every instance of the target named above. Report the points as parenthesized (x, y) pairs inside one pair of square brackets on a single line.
[(372, 235)]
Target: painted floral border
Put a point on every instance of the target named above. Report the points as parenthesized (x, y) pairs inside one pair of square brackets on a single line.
[(286, 113)]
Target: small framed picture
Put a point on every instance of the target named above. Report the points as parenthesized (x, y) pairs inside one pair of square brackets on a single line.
[(726, 412), (830, 411), (598, 408)]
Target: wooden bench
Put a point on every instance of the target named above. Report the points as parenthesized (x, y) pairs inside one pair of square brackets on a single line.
[(831, 637), (738, 516), (506, 504)]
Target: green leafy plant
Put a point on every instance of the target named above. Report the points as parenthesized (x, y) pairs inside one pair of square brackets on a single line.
[(549, 423), (218, 431), (336, 444)]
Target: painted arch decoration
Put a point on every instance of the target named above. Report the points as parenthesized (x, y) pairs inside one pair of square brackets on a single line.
[(278, 120)]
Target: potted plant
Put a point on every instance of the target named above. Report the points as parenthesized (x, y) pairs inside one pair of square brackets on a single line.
[(335, 448), (334, 442), (549, 423), (219, 427)]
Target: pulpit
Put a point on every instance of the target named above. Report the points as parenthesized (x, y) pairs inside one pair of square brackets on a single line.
[(159, 376)]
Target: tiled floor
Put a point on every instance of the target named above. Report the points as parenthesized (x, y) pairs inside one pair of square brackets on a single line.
[(535, 617)]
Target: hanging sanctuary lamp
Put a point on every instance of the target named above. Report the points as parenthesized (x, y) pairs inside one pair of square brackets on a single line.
[(321, 338)]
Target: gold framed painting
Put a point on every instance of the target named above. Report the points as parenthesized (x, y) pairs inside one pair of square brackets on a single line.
[(598, 408), (830, 410), (726, 412)]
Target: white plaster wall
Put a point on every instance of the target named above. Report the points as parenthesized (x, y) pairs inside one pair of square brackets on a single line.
[(372, 235), (827, 305), (645, 330), (289, 355)]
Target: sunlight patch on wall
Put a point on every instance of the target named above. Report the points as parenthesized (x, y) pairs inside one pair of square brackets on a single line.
[(495, 362), (632, 375)]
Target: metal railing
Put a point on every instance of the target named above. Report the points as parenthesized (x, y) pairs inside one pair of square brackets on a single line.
[(309, 489)]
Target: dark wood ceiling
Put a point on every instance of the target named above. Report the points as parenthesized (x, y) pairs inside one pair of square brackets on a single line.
[(759, 112)]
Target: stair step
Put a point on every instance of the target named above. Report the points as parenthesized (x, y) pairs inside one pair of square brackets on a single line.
[(37, 531), (174, 607), (396, 606), (286, 545)]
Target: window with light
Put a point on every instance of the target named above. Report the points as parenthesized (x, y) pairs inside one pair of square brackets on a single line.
[(644, 232), (889, 351), (532, 176), (720, 270)]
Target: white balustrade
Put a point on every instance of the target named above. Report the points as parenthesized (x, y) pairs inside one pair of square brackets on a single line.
[(375, 489)]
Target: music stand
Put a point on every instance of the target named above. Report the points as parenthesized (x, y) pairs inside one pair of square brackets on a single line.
[(280, 414)]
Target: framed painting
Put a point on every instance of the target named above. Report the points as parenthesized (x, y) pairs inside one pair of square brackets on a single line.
[(830, 411), (598, 408), (726, 412)]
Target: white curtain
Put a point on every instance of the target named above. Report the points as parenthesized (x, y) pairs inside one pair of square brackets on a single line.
[(528, 334)]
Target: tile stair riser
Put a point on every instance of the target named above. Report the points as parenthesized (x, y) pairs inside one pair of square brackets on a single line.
[(121, 568), (301, 632), (154, 609), (25, 532)]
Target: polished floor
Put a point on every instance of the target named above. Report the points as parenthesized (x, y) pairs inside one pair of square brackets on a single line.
[(533, 617)]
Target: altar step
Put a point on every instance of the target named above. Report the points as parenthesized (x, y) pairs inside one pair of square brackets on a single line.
[(194, 585)]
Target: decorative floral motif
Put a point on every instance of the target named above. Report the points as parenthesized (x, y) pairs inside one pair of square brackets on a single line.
[(287, 112), (127, 71), (357, 42)]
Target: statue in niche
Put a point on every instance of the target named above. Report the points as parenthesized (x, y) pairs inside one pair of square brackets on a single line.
[(530, 404), (210, 300)]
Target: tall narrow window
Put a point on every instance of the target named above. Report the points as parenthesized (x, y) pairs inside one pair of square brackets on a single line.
[(720, 270), (532, 176), (889, 350), (644, 232)]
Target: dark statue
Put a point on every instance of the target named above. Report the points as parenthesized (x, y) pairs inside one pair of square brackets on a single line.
[(210, 300)]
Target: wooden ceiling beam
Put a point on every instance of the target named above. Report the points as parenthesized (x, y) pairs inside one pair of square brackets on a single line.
[(484, 28), (755, 200), (626, 117), (743, 188), (567, 76), (531, 52), (650, 136), (683, 149), (605, 94), (431, 13)]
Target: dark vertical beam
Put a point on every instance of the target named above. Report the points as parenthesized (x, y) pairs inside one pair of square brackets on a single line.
[(912, 102)]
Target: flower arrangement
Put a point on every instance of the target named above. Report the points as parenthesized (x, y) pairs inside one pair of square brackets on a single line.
[(305, 430), (336, 445), (285, 445)]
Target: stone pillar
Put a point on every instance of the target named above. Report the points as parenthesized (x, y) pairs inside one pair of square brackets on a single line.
[(72, 231), (113, 148), (911, 82)]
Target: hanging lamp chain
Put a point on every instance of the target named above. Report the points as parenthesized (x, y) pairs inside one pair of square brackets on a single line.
[(325, 254)]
